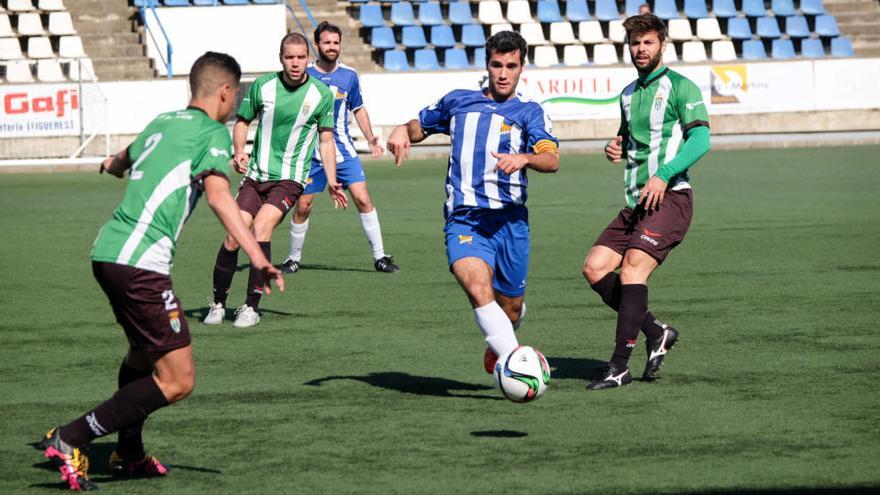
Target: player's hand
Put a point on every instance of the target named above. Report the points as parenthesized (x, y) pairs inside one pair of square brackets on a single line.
[(509, 163), (338, 195), (270, 273), (376, 149), (653, 193), (614, 150), (107, 166), (399, 144), (240, 160)]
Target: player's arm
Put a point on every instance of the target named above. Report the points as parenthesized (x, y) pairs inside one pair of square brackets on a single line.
[(363, 121), (327, 149), (614, 148), (221, 201), (546, 161), (239, 139), (402, 138), (117, 164)]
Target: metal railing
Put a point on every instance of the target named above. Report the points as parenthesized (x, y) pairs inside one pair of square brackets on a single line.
[(302, 28), (169, 50)]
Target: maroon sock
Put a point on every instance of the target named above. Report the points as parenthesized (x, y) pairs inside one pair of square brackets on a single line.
[(129, 405), (224, 270), (608, 288), (130, 443), (633, 306), (255, 279)]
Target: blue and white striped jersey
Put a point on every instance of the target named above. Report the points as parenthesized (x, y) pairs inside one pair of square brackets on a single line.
[(478, 126), (346, 88)]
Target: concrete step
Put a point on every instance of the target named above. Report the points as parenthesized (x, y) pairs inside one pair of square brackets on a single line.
[(114, 50), (851, 6), (99, 7), (103, 27), (111, 38), (860, 29), (123, 68)]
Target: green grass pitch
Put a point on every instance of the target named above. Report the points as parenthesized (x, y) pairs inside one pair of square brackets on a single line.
[(360, 382)]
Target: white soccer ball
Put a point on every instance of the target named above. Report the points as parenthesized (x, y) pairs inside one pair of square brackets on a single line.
[(522, 375)]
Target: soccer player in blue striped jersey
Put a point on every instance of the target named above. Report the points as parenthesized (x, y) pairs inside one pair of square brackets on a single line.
[(345, 85), (497, 134)]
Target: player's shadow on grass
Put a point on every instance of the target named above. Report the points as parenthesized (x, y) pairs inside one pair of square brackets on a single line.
[(417, 385), (566, 368), (200, 313), (326, 268)]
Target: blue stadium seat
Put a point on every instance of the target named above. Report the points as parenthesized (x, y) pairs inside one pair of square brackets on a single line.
[(548, 11), (176, 3), (359, 1), (413, 37), (473, 35), (782, 49), (812, 48), (442, 37), (665, 9), (826, 25), (842, 47), (754, 8), (753, 50), (382, 38), (812, 7), (236, 2), (606, 10), (695, 9), (402, 14), (738, 28), (430, 15), (631, 7), (371, 15), (426, 59), (724, 8), (768, 28), (480, 57), (395, 60), (265, 2), (200, 3), (577, 10), (796, 27), (456, 58), (460, 13), (783, 8)]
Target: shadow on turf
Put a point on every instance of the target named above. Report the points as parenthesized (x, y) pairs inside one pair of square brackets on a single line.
[(410, 384), (326, 268), (567, 368), (499, 434), (199, 314)]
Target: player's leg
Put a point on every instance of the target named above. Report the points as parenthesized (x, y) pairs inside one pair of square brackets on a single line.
[(351, 174), (299, 222), (129, 443)]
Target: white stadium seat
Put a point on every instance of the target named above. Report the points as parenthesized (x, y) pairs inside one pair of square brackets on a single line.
[(81, 66), (723, 51), (51, 5), (627, 57), (10, 49), (501, 26), (5, 27), (519, 12), (39, 47), (670, 56), (680, 30), (604, 54), (545, 56), (49, 71), (60, 23), (19, 6), (561, 33), (71, 47), (590, 32), (19, 72), (575, 55), (693, 51), (29, 24), (490, 12), (708, 29), (533, 33), (616, 33)]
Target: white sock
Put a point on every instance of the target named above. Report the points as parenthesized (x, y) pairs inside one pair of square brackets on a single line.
[(496, 326), (370, 223), (297, 239)]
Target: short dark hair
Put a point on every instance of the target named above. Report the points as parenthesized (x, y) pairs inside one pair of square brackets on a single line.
[(292, 39), (506, 42), (210, 71), (326, 27), (638, 25)]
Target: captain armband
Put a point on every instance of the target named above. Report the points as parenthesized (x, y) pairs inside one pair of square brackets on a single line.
[(546, 146)]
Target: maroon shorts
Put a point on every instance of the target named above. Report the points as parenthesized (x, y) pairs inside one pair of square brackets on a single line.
[(281, 194), (655, 232), (145, 306)]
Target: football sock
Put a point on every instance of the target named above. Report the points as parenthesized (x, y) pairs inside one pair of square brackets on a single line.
[(224, 270), (130, 405), (297, 239), (370, 223), (255, 279), (608, 289), (633, 306), (129, 443), (497, 328)]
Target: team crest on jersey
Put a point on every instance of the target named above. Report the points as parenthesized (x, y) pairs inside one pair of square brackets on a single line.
[(305, 110), (658, 102), (174, 320), (465, 239), (340, 95), (505, 128)]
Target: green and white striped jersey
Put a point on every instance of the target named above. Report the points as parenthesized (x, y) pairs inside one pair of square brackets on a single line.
[(289, 122), (655, 114), (170, 158)]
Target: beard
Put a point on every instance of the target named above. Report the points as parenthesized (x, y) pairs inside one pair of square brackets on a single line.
[(328, 57), (652, 64)]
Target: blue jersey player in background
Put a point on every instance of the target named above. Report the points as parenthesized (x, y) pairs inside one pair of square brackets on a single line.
[(344, 83), (496, 135)]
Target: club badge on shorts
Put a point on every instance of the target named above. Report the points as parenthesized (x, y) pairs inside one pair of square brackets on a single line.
[(174, 320)]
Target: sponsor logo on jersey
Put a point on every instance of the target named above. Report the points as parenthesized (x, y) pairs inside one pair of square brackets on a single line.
[(218, 152), (465, 239), (505, 128)]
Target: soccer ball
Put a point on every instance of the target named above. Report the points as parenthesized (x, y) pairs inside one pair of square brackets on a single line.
[(522, 374)]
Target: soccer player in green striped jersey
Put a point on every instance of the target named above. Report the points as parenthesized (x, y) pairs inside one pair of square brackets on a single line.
[(294, 110), (177, 157), (664, 130)]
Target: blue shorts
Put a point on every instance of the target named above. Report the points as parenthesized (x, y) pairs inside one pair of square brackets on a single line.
[(347, 172), (498, 237)]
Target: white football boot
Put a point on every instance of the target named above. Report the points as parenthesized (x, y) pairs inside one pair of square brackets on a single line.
[(246, 316)]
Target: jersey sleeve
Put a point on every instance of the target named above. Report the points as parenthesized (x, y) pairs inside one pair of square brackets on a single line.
[(434, 119), (251, 103), (539, 131), (691, 108), (354, 98), (325, 111), (215, 155)]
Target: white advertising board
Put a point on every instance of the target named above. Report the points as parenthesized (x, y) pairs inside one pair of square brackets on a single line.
[(36, 110)]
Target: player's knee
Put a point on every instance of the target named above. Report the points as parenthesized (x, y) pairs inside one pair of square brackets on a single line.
[(229, 243), (513, 310), (263, 232), (180, 387), (304, 206), (363, 203), (594, 271)]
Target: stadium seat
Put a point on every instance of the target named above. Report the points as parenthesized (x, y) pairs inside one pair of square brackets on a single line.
[(49, 70), (796, 27), (176, 3), (548, 11), (497, 28), (455, 58), (604, 54), (616, 33), (489, 12), (724, 8), (236, 2), (768, 28), (782, 8), (39, 47), (679, 30), (708, 29), (533, 33), (413, 37), (198, 3), (577, 10), (753, 50), (545, 56), (460, 13), (826, 25), (670, 56), (395, 60), (81, 66), (575, 55), (51, 5), (754, 8), (371, 15), (70, 47), (442, 37), (519, 12), (426, 59), (590, 32), (812, 7), (10, 49), (561, 33), (29, 24), (606, 10), (402, 14), (5, 27), (382, 38), (665, 9), (782, 49), (842, 47), (60, 24), (723, 51), (480, 57), (266, 2), (19, 71), (631, 7), (812, 48), (19, 6), (473, 35), (695, 9), (738, 28), (430, 15), (693, 51)]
